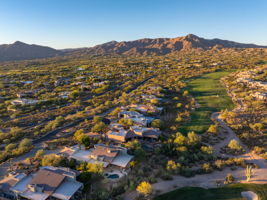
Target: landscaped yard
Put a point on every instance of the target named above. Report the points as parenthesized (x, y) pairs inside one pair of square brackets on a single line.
[(231, 192), (211, 96)]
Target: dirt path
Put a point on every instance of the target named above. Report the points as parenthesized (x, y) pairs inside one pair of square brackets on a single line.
[(209, 180), (249, 156)]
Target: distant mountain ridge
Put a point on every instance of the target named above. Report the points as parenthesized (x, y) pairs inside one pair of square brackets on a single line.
[(22, 51), (146, 46), (161, 46)]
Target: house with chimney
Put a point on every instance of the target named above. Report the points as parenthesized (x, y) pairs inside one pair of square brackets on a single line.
[(47, 183)]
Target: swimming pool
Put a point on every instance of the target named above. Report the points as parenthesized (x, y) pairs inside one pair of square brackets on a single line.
[(113, 176)]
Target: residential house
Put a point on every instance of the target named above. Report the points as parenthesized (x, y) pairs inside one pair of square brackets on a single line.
[(150, 97), (260, 95), (136, 117), (49, 183), (146, 108), (99, 84), (100, 154), (24, 102), (7, 183), (27, 82), (64, 95), (144, 132), (61, 81), (120, 135), (25, 94)]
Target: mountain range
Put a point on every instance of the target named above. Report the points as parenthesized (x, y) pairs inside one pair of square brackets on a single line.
[(23, 51), (158, 46)]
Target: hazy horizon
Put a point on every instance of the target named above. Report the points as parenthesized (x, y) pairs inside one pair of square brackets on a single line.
[(127, 40), (74, 24)]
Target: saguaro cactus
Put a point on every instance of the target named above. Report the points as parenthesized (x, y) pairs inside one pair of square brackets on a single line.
[(249, 172)]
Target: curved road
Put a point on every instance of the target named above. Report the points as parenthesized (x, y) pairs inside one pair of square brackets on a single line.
[(51, 135)]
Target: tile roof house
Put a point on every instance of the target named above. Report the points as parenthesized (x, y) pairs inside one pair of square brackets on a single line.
[(47, 183)]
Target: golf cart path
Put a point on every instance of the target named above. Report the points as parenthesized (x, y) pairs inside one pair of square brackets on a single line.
[(210, 180), (249, 156)]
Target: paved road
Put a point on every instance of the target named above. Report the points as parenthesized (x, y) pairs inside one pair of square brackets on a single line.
[(6, 165), (52, 135)]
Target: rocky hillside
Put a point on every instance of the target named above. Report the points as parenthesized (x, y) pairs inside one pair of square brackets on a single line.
[(158, 46), (162, 46)]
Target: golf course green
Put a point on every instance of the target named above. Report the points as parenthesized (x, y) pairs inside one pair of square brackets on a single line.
[(211, 97)]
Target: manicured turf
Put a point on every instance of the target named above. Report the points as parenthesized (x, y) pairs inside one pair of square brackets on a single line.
[(231, 192), (211, 96)]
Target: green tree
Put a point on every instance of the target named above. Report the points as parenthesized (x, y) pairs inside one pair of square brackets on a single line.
[(52, 160), (115, 112), (193, 138), (234, 145), (144, 188), (99, 127), (10, 147), (207, 150), (25, 143), (180, 139), (97, 119), (173, 166), (157, 123), (213, 128), (39, 154)]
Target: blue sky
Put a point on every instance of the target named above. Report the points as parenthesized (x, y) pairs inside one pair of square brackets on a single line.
[(83, 23)]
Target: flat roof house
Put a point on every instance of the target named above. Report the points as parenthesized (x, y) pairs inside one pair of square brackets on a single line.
[(145, 132), (25, 94), (100, 154), (7, 183), (120, 135), (130, 114), (260, 95), (24, 102), (146, 108), (150, 97), (136, 117)]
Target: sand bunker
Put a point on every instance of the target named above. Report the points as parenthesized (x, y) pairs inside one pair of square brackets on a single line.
[(249, 195)]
